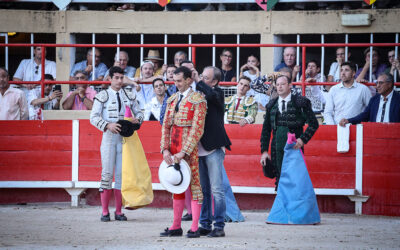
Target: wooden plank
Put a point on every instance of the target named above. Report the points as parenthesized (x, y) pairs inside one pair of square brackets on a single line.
[(35, 127), (35, 143), (381, 130), (251, 131), (381, 147), (27, 172), (19, 158)]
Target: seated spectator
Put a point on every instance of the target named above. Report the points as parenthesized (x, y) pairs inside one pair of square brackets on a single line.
[(362, 74), (241, 109), (228, 73), (13, 104), (146, 92), (315, 92), (87, 66), (383, 107), (169, 76), (289, 61), (394, 65), (82, 97), (334, 71), (154, 57), (179, 57), (50, 101), (153, 108), (346, 99), (251, 70), (31, 70)]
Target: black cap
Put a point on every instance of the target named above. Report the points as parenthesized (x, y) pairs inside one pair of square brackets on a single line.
[(127, 128)]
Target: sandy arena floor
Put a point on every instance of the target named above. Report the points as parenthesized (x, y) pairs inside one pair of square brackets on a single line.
[(57, 226)]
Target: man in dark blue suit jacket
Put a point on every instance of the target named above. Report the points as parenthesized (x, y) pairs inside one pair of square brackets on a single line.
[(383, 107), (212, 154)]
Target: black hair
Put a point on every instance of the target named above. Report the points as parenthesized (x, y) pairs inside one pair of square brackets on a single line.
[(187, 73), (186, 61), (1, 68), (313, 61), (48, 77), (350, 64), (158, 79), (114, 70)]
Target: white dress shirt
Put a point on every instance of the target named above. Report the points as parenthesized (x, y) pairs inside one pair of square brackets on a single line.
[(153, 107), (387, 108), (27, 70), (286, 99), (343, 102)]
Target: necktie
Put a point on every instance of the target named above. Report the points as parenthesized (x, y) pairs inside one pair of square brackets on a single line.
[(179, 101), (237, 104), (119, 102), (383, 109), (283, 106)]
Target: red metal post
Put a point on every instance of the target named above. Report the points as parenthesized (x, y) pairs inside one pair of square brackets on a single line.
[(194, 56), (303, 71), (43, 70)]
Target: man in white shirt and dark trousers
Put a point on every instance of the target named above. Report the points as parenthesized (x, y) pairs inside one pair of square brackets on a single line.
[(153, 108), (109, 107), (346, 99)]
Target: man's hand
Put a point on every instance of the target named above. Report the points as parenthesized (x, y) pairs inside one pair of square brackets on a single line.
[(117, 64), (135, 121), (167, 157), (243, 122), (366, 65), (298, 144), (164, 68), (195, 75), (115, 128), (343, 122), (264, 157), (363, 81), (81, 91), (339, 60), (296, 69), (178, 157), (311, 79), (56, 94), (89, 68)]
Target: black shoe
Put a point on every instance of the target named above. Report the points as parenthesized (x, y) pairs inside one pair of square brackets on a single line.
[(203, 231), (187, 217), (191, 234), (217, 232), (105, 218), (171, 233), (120, 217)]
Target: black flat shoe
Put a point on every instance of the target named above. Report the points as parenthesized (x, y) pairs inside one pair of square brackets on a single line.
[(171, 233), (187, 217), (191, 234), (203, 231), (105, 218), (120, 217), (217, 232)]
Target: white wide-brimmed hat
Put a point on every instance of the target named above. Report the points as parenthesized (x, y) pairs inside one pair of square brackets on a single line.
[(175, 178)]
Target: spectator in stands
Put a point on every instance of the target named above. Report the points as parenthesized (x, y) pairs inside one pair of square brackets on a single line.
[(287, 113), (51, 100), (289, 61), (228, 73), (179, 57), (334, 71), (362, 74), (122, 62), (394, 65), (169, 76), (315, 92), (384, 107), (146, 92), (82, 97), (241, 109), (87, 66), (109, 106), (153, 108), (13, 104), (154, 57), (346, 99), (31, 70)]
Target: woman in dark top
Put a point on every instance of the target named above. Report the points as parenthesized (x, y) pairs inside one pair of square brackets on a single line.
[(228, 73)]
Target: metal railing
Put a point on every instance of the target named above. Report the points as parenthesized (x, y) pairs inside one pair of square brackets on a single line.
[(192, 49)]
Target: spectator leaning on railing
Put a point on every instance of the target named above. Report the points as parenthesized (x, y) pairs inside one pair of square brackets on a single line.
[(394, 64), (13, 104), (87, 66), (289, 60), (346, 99), (82, 97), (51, 100), (383, 107), (315, 92)]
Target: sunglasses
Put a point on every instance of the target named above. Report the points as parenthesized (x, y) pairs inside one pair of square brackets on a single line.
[(36, 69)]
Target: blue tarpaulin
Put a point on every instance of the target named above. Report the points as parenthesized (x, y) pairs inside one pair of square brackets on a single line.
[(295, 202)]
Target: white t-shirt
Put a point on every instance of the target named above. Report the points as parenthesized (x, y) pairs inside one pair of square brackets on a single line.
[(28, 70)]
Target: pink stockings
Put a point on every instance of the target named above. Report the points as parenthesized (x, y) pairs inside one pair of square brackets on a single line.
[(105, 200)]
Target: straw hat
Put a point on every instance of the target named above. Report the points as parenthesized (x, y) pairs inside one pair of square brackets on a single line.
[(175, 178), (153, 54)]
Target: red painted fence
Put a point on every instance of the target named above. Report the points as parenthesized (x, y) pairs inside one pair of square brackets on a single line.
[(42, 151)]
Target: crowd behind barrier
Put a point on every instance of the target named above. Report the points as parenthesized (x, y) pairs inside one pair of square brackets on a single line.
[(312, 83)]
